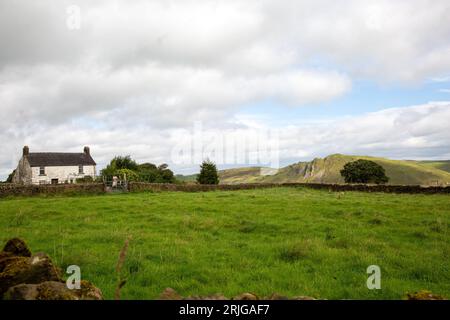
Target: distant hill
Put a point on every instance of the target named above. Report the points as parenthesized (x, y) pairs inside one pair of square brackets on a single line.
[(327, 170), (235, 175), (439, 164)]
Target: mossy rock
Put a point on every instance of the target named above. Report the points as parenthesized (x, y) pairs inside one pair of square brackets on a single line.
[(246, 296), (17, 247), (53, 290), (29, 270), (170, 294), (49, 290), (5, 259), (276, 296), (424, 295), (34, 277), (88, 291)]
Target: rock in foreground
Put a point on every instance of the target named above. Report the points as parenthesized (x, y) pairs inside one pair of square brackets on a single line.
[(24, 276), (52, 290), (424, 295), (171, 294)]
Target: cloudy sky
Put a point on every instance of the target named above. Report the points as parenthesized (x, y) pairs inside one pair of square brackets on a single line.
[(136, 77)]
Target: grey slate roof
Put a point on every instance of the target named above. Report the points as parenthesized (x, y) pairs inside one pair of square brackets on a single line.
[(49, 159)]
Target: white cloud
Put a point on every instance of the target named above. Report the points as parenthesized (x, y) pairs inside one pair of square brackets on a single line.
[(163, 96), (441, 79), (409, 133), (415, 132)]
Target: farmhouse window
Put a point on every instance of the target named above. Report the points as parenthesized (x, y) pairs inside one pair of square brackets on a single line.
[(80, 169), (42, 171)]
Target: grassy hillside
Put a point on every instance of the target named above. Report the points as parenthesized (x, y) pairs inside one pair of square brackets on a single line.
[(240, 175), (292, 241), (327, 170), (441, 164), (231, 176)]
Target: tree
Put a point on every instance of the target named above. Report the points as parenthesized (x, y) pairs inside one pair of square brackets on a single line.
[(208, 173), (166, 175), (364, 171), (145, 172), (151, 173), (118, 163), (125, 163), (130, 175), (147, 167)]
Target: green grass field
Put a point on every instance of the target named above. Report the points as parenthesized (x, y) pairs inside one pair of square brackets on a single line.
[(293, 241)]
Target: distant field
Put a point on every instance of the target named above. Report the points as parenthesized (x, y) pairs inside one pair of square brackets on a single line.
[(293, 241)]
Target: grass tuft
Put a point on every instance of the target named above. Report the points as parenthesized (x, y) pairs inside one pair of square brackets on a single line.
[(295, 252)]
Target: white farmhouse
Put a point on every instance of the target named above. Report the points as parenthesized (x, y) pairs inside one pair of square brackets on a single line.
[(53, 167)]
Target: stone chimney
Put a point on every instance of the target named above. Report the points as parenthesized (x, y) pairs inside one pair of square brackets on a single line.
[(26, 151), (87, 151)]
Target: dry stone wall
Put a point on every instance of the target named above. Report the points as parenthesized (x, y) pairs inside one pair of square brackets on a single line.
[(156, 187), (7, 189), (98, 188)]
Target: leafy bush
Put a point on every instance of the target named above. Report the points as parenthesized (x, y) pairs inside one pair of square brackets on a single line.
[(125, 163), (118, 163), (148, 172), (130, 175), (86, 179), (208, 173), (145, 172), (364, 171)]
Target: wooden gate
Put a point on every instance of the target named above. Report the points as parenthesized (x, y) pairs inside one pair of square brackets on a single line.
[(115, 183)]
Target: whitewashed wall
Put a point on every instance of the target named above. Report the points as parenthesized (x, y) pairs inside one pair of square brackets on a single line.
[(63, 174)]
